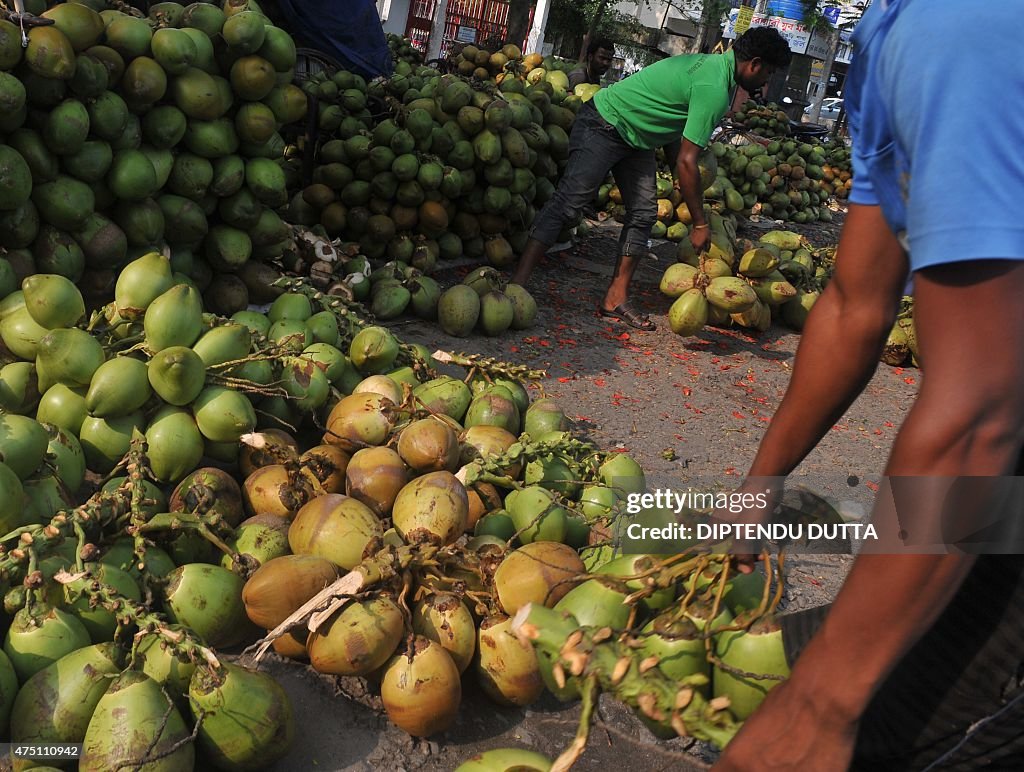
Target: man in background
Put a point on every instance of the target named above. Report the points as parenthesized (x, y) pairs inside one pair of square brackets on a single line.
[(600, 53)]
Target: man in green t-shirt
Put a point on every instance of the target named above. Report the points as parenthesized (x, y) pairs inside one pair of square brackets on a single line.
[(677, 101)]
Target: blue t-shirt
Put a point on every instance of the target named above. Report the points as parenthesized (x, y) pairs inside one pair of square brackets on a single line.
[(934, 97)]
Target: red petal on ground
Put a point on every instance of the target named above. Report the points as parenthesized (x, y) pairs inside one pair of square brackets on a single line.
[(599, 382), (514, 349), (871, 485), (750, 377), (898, 370), (726, 367), (738, 414), (889, 424), (731, 470), (623, 336), (878, 431), (909, 380), (687, 391), (544, 343), (564, 380)]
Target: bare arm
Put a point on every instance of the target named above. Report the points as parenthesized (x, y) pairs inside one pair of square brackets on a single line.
[(889, 601), (688, 181), (854, 316)]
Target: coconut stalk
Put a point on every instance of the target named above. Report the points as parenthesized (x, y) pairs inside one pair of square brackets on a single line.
[(130, 613), (389, 563), (102, 513), (597, 661), (489, 367), (352, 316), (492, 470)]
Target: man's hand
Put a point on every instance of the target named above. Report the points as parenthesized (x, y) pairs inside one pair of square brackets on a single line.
[(700, 238), (789, 733), (757, 491)]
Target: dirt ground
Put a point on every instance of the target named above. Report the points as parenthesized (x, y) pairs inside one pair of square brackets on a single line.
[(702, 402)]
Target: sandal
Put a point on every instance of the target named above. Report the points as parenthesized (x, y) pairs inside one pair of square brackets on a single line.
[(625, 313)]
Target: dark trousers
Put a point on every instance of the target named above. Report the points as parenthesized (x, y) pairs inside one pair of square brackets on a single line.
[(956, 700), (595, 148)]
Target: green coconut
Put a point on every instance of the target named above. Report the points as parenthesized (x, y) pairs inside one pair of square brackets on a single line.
[(118, 387), (223, 414), (175, 318)]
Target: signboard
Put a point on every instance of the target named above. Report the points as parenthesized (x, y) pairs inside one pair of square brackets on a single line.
[(795, 33), (817, 45), (466, 34), (743, 18)]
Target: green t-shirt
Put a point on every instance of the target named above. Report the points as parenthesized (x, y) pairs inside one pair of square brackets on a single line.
[(679, 96)]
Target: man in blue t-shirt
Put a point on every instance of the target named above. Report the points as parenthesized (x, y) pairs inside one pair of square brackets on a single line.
[(919, 663)]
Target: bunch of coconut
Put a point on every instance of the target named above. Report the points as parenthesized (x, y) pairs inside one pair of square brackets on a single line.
[(403, 52), (742, 282), (64, 675), (476, 62), (768, 120), (486, 302), (453, 164), (521, 535), (194, 384), (837, 171), (411, 481), (396, 288), (64, 667), (784, 180), (126, 134), (781, 180)]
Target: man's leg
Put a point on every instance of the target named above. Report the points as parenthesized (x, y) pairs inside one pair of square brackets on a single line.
[(968, 420), (593, 148), (635, 176)]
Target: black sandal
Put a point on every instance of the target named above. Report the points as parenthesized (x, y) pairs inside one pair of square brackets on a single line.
[(624, 313)]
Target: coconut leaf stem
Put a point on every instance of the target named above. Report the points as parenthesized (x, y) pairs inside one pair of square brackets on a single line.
[(588, 697)]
